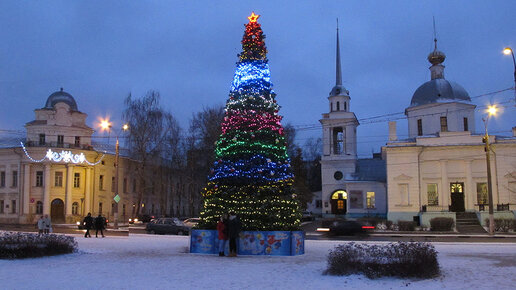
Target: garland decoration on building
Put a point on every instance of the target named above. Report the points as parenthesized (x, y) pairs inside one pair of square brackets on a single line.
[(63, 156), (251, 175)]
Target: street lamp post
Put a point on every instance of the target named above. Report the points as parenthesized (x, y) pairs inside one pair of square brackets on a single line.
[(508, 51), (491, 112), (106, 125)]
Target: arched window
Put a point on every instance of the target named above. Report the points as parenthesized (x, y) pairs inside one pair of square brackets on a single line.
[(345, 106), (39, 207), (338, 106), (339, 194), (75, 208)]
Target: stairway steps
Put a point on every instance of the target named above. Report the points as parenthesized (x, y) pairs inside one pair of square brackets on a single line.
[(467, 222)]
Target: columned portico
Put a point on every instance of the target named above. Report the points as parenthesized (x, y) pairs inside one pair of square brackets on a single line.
[(445, 192), (26, 189), (87, 193), (46, 190), (69, 186), (470, 187)]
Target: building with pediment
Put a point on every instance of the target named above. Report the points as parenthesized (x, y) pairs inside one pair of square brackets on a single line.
[(440, 170)]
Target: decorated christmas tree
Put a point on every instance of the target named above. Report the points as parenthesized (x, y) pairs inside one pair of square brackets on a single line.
[(251, 175)]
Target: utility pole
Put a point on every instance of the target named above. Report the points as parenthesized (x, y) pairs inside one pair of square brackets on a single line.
[(491, 112), (489, 184), (115, 209)]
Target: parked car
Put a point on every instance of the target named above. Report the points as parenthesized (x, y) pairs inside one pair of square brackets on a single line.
[(342, 227), (145, 218), (167, 226), (307, 216), (191, 222)]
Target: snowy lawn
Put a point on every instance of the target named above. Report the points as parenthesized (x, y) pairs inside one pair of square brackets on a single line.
[(163, 262)]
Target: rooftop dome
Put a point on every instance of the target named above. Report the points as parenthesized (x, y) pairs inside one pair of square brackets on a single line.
[(61, 96), (439, 90), (339, 90)]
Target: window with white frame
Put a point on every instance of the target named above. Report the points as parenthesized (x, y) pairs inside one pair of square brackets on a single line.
[(512, 192), (432, 194), (39, 178), (2, 178), (15, 179), (76, 180), (58, 179), (39, 207), (75, 208), (101, 182), (370, 199), (482, 193)]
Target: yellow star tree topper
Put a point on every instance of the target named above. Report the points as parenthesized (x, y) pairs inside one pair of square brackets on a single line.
[(253, 17)]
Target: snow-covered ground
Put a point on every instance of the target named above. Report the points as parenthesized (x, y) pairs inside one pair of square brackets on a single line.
[(163, 262)]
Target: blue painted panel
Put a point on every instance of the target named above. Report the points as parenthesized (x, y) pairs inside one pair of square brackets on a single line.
[(274, 243), (298, 243), (204, 242)]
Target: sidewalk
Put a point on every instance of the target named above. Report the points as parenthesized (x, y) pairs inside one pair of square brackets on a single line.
[(439, 234)]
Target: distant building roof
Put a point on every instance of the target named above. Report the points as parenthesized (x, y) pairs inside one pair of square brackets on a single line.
[(439, 90), (61, 96), (371, 170)]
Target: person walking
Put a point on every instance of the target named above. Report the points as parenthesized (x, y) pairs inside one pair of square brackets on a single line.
[(48, 224), (222, 231), (234, 226), (41, 225), (88, 223), (100, 222)]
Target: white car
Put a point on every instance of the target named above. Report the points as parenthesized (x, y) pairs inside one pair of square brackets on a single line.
[(191, 222)]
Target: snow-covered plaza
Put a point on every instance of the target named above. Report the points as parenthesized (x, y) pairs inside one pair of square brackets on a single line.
[(163, 262)]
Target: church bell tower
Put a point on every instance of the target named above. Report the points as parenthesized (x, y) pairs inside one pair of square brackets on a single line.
[(339, 128)]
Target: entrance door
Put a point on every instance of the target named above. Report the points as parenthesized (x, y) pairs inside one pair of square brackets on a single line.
[(457, 197), (57, 211), (339, 202)]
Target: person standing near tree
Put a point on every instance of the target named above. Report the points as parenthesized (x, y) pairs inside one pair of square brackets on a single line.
[(222, 231), (41, 225), (48, 224), (99, 225), (88, 223), (234, 226)]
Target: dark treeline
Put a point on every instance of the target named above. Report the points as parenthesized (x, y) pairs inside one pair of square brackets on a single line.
[(174, 163)]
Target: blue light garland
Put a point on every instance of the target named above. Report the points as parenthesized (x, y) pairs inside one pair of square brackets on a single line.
[(252, 74)]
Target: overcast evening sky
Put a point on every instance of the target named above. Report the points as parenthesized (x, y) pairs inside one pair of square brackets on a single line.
[(100, 51)]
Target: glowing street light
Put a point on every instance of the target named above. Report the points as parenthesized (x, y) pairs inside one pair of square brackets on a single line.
[(509, 51), (105, 124), (491, 111)]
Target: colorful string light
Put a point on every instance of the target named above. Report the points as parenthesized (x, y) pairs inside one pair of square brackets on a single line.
[(252, 174)]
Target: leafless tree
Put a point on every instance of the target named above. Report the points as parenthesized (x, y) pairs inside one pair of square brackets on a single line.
[(152, 129)]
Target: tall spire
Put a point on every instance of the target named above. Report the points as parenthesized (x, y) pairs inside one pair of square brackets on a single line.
[(338, 71)]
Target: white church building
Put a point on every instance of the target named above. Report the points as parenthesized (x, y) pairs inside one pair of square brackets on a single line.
[(351, 187), (440, 169)]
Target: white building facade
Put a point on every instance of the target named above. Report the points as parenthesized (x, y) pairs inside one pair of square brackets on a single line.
[(58, 172), (440, 170)]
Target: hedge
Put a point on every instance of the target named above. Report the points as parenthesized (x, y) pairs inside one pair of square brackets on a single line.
[(400, 259), (16, 245)]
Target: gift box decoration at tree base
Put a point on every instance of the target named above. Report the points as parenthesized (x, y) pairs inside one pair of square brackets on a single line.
[(270, 243)]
